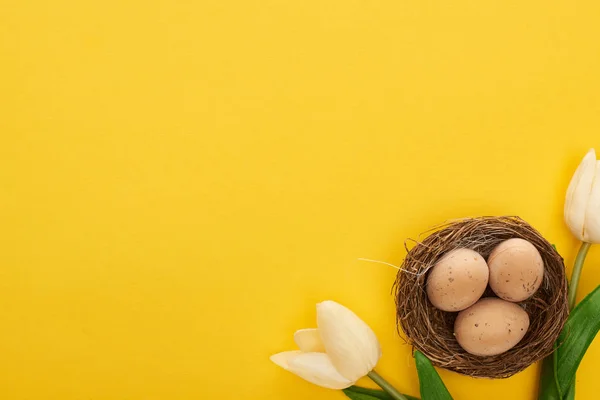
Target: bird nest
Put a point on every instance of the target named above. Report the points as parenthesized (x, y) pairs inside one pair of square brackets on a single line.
[(431, 331)]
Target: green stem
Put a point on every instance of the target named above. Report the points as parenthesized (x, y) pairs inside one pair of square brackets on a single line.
[(575, 275), (385, 385), (577, 267)]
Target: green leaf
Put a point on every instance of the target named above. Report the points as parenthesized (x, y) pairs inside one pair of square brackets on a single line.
[(570, 392), (549, 389), (432, 386), (577, 335), (360, 393)]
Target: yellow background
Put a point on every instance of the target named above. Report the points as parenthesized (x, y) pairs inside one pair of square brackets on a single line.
[(181, 181)]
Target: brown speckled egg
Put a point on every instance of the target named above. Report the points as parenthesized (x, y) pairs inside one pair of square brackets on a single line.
[(516, 270), (457, 280), (490, 327)]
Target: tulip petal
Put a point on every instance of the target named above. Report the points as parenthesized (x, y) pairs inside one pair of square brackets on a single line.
[(309, 340), (313, 367), (349, 341), (283, 359), (578, 194), (591, 232)]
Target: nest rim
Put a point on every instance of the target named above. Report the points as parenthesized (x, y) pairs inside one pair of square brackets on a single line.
[(431, 331)]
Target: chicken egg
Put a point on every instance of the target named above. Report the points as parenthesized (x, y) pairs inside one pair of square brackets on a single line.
[(457, 280), (516, 270), (490, 327)]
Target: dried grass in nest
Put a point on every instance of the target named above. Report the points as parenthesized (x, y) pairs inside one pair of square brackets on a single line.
[(432, 331)]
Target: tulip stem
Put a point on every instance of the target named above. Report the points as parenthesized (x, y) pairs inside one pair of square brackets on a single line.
[(576, 274), (386, 386)]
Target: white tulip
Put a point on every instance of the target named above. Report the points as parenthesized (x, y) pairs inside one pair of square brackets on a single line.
[(582, 205), (342, 350)]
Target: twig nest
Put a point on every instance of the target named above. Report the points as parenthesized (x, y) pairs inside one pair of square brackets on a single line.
[(431, 330)]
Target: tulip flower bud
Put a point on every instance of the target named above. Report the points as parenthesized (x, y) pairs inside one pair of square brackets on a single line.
[(341, 351), (582, 204)]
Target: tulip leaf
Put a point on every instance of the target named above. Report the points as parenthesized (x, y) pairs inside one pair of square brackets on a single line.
[(577, 335), (360, 393), (432, 386), (570, 392), (549, 389)]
